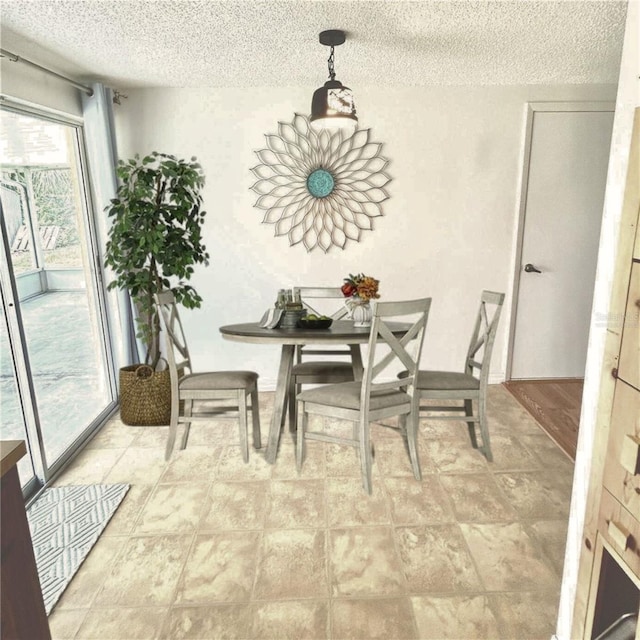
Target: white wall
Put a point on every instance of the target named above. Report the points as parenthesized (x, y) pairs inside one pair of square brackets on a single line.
[(448, 227), (628, 98)]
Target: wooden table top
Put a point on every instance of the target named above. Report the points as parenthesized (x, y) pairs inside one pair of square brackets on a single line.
[(340, 332), (10, 452)]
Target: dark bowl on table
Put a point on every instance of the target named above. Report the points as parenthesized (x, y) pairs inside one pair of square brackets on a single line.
[(317, 323)]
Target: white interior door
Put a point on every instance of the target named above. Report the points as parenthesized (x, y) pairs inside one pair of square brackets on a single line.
[(563, 194)]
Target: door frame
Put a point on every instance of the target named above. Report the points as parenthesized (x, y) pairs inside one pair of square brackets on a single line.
[(45, 470), (531, 109)]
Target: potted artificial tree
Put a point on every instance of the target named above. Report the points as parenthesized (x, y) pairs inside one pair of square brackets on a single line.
[(154, 240)]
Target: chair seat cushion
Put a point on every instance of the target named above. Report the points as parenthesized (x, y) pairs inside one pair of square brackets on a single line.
[(346, 395), (219, 380), (445, 380)]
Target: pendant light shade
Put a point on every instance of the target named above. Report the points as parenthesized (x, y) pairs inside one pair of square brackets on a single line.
[(332, 105)]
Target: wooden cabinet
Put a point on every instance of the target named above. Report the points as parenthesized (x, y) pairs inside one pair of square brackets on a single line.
[(622, 469), (629, 367), (22, 613), (609, 572)]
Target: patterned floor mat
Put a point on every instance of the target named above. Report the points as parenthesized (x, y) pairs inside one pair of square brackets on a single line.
[(65, 523)]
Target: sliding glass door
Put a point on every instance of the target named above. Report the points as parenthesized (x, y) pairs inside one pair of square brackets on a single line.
[(57, 372)]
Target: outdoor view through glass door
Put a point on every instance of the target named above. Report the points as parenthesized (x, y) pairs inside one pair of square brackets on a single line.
[(54, 344)]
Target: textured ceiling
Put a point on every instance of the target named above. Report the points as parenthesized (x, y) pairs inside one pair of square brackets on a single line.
[(200, 43)]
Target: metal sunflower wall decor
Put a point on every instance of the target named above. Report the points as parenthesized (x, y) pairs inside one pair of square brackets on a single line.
[(320, 188)]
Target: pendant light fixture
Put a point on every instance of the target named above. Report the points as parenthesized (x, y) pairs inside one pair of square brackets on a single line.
[(332, 105)]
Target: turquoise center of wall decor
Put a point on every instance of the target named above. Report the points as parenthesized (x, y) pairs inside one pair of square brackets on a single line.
[(320, 183)]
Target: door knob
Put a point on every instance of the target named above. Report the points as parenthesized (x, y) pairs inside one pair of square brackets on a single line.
[(529, 268)]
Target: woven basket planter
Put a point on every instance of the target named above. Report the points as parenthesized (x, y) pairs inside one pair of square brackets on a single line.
[(145, 396)]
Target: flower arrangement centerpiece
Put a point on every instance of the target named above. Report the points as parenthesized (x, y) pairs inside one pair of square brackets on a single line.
[(358, 291), (361, 286)]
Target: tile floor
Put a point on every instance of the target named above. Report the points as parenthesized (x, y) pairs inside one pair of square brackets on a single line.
[(208, 547)]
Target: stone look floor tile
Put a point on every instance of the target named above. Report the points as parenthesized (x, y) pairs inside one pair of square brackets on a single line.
[(230, 621), (450, 456), (373, 619), (296, 504), (313, 466), (220, 568), (510, 455), (146, 571), (393, 459), (290, 620), (270, 553), (124, 519), (431, 429), (435, 559), (413, 502), (364, 562), (343, 461), (526, 615), (235, 505), (455, 618), (115, 435), (138, 466), (152, 437), (292, 564), (193, 464), (348, 505), (547, 451), (507, 558), (233, 467), (64, 623), (215, 434), (172, 508), (552, 536), (537, 494), (84, 586), (122, 622), (476, 498), (90, 467)]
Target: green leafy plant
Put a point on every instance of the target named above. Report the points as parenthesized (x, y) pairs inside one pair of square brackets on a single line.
[(156, 236)]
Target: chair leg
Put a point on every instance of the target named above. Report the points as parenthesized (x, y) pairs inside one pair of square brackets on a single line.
[(412, 441), (292, 393), (242, 424), (255, 418), (173, 428), (188, 408), (471, 425), (484, 428), (365, 453), (302, 428)]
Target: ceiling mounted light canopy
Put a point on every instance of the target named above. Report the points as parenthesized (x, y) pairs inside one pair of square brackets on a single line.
[(332, 105)]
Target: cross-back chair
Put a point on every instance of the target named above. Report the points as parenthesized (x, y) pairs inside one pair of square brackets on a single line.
[(466, 385), (188, 387), (380, 394), (327, 371)]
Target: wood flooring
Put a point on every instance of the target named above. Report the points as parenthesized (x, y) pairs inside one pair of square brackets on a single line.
[(555, 404)]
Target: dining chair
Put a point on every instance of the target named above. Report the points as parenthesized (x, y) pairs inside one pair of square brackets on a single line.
[(327, 371), (188, 387), (465, 386), (380, 394)]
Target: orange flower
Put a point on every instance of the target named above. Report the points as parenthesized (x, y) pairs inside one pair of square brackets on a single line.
[(360, 286)]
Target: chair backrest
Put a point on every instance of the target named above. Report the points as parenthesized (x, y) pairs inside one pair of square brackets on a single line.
[(176, 350), (483, 336), (322, 293), (404, 352), (308, 294)]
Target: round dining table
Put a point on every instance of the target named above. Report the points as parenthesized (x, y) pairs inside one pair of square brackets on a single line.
[(341, 332)]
